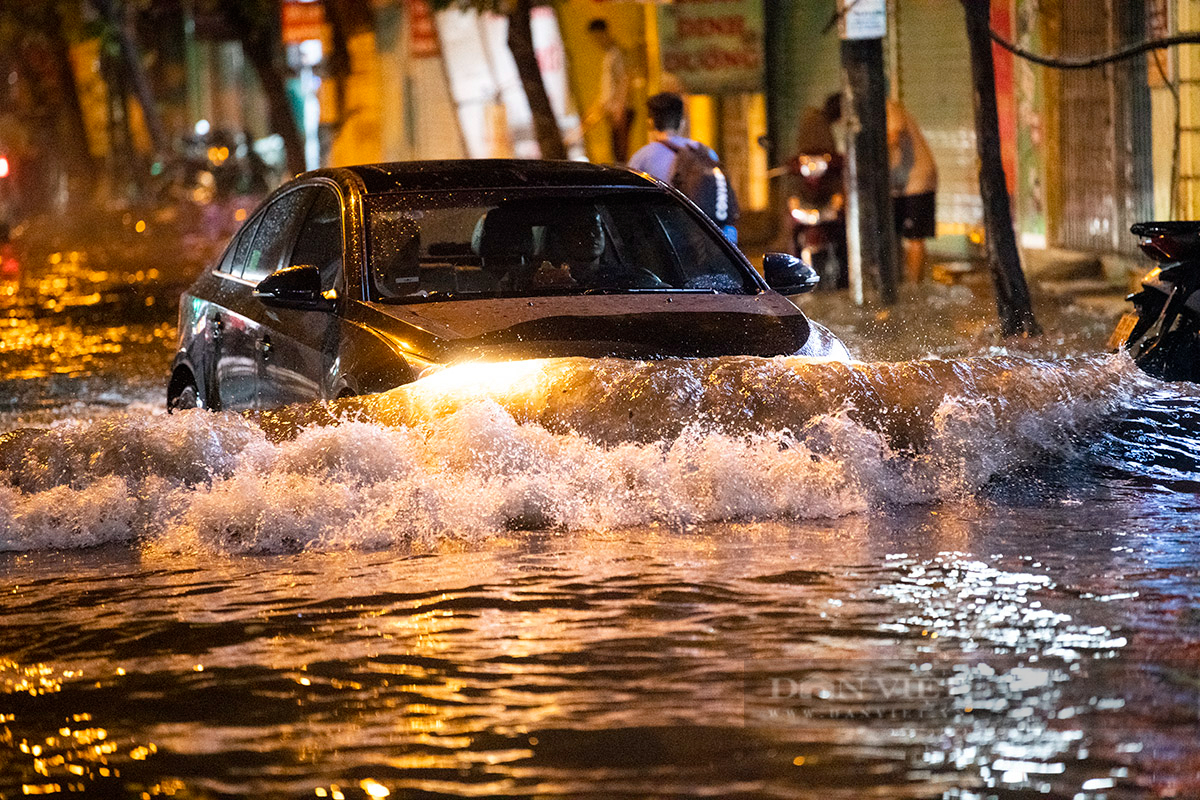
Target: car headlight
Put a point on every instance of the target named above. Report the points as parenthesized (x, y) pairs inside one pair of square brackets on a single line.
[(480, 376)]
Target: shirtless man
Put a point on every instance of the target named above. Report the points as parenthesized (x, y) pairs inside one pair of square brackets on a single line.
[(914, 187)]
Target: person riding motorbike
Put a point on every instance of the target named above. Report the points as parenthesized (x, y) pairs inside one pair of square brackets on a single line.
[(816, 195)]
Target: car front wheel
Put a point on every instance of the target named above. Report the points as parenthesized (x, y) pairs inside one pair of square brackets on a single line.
[(187, 397)]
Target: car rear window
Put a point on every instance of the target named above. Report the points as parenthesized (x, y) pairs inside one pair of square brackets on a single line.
[(463, 245)]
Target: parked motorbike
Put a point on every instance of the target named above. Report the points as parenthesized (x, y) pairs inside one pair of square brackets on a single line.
[(1162, 333), (816, 213)]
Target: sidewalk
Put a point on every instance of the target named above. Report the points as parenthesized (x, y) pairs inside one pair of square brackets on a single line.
[(1098, 282), (1088, 279), (1076, 300)]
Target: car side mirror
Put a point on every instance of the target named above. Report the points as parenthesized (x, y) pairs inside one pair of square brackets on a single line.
[(787, 274), (297, 287)]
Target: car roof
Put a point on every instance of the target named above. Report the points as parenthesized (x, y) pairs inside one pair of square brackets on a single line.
[(492, 173)]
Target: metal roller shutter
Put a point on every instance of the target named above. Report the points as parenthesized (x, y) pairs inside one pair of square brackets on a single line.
[(933, 63), (1106, 135)]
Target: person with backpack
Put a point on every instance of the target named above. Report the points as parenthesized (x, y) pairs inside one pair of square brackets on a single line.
[(688, 165)]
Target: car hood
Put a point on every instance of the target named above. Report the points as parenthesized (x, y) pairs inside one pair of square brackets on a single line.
[(652, 325)]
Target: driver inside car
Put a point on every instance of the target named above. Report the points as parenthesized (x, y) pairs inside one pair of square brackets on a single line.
[(575, 256)]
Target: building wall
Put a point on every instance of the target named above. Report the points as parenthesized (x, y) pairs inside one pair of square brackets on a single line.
[(628, 24), (933, 81), (358, 139), (1164, 110), (803, 64), (1188, 81), (1106, 135)]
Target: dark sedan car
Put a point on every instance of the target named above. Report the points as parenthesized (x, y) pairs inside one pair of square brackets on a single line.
[(355, 280)]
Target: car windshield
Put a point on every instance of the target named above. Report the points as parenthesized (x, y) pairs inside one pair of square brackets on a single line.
[(453, 245)]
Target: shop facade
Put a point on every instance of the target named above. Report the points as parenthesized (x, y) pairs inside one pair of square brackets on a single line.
[(714, 54), (1086, 152)]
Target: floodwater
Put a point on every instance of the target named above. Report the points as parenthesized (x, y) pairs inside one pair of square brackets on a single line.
[(961, 568)]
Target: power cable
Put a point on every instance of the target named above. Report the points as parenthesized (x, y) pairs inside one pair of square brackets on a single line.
[(1090, 62)]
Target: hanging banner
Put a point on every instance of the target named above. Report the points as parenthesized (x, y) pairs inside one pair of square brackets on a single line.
[(713, 46)]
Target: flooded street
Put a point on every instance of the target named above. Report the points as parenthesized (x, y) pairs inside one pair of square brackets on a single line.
[(962, 568)]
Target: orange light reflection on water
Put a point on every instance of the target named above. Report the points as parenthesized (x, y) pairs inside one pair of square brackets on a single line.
[(49, 331), (73, 758)]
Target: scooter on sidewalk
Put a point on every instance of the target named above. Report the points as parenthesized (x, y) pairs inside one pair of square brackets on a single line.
[(1162, 333)]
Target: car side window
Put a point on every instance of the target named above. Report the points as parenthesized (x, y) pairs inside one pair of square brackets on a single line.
[(235, 255), (320, 239), (696, 251), (271, 239)]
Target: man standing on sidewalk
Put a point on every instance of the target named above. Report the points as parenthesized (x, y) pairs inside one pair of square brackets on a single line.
[(612, 103), (686, 164), (914, 188)]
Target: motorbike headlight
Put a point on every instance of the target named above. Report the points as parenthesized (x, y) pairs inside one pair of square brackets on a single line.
[(806, 216), (813, 167)]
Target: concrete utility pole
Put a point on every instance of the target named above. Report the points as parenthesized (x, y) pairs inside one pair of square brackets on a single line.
[(870, 228)]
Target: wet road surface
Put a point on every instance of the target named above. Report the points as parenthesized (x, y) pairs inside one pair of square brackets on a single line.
[(970, 576)]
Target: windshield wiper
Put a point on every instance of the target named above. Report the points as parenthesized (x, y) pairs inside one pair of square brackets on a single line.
[(430, 297), (438, 297), (656, 290)]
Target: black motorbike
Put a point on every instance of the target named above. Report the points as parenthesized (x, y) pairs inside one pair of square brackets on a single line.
[(816, 214), (1162, 333)]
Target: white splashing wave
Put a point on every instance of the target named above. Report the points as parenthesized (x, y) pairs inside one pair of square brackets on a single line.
[(751, 439)]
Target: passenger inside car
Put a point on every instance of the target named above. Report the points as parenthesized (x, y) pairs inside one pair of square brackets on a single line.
[(574, 244)]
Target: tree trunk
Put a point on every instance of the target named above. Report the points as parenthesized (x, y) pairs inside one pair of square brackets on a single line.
[(1012, 293), (131, 58), (520, 42), (346, 17), (74, 143), (260, 45), (123, 173)]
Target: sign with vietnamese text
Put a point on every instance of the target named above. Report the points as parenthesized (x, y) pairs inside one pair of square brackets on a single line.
[(863, 19), (713, 46)]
